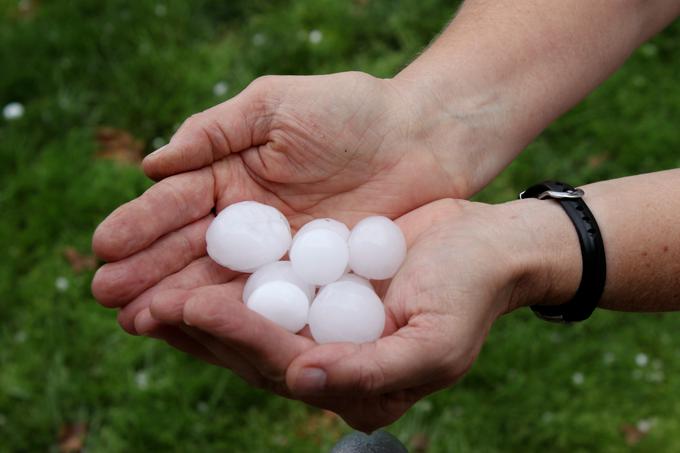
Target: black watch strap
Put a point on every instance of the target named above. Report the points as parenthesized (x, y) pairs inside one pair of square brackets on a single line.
[(592, 250)]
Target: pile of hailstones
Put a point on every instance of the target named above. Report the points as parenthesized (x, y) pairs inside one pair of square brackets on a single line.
[(325, 284)]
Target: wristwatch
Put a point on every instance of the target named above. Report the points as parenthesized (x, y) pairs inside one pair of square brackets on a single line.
[(594, 273)]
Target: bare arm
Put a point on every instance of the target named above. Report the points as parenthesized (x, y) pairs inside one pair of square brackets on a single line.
[(510, 68), (639, 217)]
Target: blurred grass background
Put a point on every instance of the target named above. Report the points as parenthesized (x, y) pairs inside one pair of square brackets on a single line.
[(70, 379)]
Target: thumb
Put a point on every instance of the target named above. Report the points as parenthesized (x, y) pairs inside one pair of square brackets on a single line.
[(403, 360), (232, 126)]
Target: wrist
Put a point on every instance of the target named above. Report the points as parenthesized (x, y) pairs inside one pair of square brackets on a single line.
[(547, 260), (464, 126)]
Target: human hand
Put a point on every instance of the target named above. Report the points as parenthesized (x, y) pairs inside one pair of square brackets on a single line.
[(466, 265), (344, 145)]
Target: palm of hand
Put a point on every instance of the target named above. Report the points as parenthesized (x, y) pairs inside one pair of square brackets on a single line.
[(331, 146)]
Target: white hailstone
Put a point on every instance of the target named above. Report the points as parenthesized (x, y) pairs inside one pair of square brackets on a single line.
[(281, 302), (346, 312), (277, 271), (315, 36), (319, 255), (247, 235), (61, 283), (356, 279), (259, 39), (157, 142), (220, 88), (577, 378), (645, 425), (20, 336), (328, 224), (142, 380), (377, 248), (641, 360), (13, 111), (160, 10)]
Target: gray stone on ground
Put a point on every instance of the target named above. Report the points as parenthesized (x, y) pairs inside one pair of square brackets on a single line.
[(377, 442)]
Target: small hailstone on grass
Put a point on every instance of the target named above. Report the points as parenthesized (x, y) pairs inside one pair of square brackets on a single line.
[(315, 36), (220, 88), (547, 417), (259, 39), (577, 378), (13, 111), (61, 283), (157, 142), (20, 336), (641, 360), (645, 425), (202, 407), (142, 380), (656, 376), (160, 10)]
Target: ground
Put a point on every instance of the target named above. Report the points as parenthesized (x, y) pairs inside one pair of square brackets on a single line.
[(88, 73)]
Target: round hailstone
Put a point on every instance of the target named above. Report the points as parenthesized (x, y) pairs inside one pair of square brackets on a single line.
[(277, 271), (319, 256), (248, 235), (13, 111), (328, 224), (377, 248), (346, 311), (356, 279), (282, 303)]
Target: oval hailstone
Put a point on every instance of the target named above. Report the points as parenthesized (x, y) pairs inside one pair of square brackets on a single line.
[(346, 311), (283, 303), (319, 256), (328, 224), (377, 248), (247, 235), (277, 271), (356, 279)]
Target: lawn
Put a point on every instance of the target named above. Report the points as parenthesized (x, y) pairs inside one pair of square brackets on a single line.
[(102, 83)]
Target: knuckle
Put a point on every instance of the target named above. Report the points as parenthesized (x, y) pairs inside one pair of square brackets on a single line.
[(263, 84), (126, 322), (370, 377)]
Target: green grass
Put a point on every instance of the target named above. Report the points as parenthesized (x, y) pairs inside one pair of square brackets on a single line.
[(145, 66)]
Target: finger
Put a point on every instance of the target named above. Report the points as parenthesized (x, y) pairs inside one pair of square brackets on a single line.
[(410, 357), (218, 311), (183, 342), (117, 283), (165, 207), (168, 306), (145, 324), (204, 271), (234, 125), (226, 357)]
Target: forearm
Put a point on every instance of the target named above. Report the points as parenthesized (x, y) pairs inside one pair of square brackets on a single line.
[(639, 218), (511, 68)]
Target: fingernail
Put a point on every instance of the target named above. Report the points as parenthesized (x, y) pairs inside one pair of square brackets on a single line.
[(144, 322), (310, 380)]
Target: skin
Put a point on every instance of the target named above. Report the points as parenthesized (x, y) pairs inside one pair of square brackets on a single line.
[(349, 145)]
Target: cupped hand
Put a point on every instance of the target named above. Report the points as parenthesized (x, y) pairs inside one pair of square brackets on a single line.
[(458, 278), (344, 145)]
